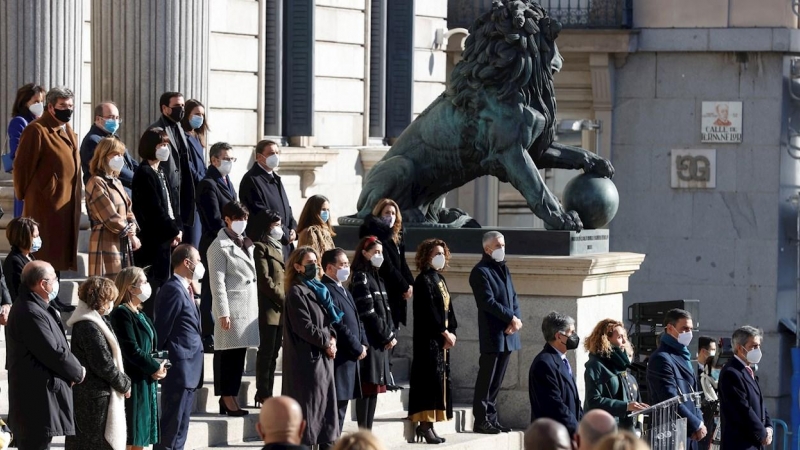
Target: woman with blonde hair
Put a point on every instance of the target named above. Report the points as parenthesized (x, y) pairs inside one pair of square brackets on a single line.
[(624, 440), (314, 228), (113, 239), (360, 440), (137, 340), (609, 384)]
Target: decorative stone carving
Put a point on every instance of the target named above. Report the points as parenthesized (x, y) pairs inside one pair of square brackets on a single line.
[(306, 162)]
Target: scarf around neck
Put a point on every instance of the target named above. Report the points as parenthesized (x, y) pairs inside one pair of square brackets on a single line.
[(617, 361), (681, 349), (323, 296)]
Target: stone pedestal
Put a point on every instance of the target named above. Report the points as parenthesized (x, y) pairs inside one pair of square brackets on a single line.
[(588, 288), (166, 50)]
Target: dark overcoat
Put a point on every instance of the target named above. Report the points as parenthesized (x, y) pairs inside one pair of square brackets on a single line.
[(12, 269), (372, 303), (552, 390), (350, 337), (269, 277), (213, 192), (177, 169), (41, 369), (260, 190), (177, 324), (497, 304), (743, 414), (609, 390), (307, 371)]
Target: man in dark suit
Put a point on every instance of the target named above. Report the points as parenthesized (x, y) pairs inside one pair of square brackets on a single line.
[(706, 350), (351, 337), (261, 188), (281, 425), (670, 372), (551, 380), (41, 368), (498, 323), (178, 327), (213, 192), (745, 422), (106, 123)]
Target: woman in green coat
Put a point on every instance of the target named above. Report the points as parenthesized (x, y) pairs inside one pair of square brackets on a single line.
[(609, 384), (137, 340)]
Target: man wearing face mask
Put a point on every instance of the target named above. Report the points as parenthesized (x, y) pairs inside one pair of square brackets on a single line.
[(551, 380), (47, 176), (261, 188), (351, 339), (177, 322), (106, 123), (670, 372), (745, 422), (498, 324), (707, 349)]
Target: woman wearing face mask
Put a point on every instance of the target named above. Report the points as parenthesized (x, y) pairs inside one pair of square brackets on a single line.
[(99, 401), (137, 341), (709, 406), (431, 399), (28, 106), (270, 271), (155, 204), (309, 348), (232, 279), (195, 126), (314, 227), (372, 302), (113, 239), (609, 384), (23, 236)]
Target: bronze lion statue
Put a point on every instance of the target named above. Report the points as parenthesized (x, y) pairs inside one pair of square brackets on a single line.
[(498, 117)]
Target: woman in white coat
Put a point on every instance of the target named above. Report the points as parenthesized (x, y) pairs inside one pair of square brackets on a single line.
[(234, 295)]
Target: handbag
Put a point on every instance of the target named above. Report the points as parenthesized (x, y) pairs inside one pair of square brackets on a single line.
[(8, 161)]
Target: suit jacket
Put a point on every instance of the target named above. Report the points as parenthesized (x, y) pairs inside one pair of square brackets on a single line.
[(212, 195), (552, 390), (177, 324), (12, 270), (350, 336), (270, 270), (259, 190), (497, 304), (742, 411), (177, 168), (89, 144), (668, 376)]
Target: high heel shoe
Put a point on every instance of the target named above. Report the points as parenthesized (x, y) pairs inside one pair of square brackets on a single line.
[(437, 435), (430, 438), (223, 410), (258, 401)]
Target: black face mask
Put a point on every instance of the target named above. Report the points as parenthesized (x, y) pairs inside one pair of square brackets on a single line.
[(573, 341), (64, 115), (176, 113)]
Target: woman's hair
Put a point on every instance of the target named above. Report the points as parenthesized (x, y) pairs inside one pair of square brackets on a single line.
[(360, 262), (262, 222), (24, 95), (360, 440), (106, 147), (96, 292), (235, 210), (201, 132), (310, 215), (126, 278), (597, 342), (423, 258), (152, 138), (623, 440), (398, 221), (19, 232), (291, 277)]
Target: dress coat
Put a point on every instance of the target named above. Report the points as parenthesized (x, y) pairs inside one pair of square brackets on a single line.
[(497, 304), (88, 146), (47, 176), (213, 192), (431, 387), (12, 270), (270, 270), (372, 303), (15, 128), (316, 237), (177, 169), (350, 337), (610, 390), (308, 372), (394, 270), (137, 340), (110, 218), (41, 368), (743, 415), (260, 190), (234, 294), (552, 390)]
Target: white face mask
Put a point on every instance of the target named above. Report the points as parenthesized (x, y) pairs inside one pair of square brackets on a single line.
[(754, 356), (342, 274), (276, 233), (712, 354), (199, 272), (116, 163), (145, 294), (238, 226), (685, 338), (109, 307), (438, 262), (499, 254), (54, 293), (225, 168), (376, 260), (37, 109), (273, 161), (162, 153)]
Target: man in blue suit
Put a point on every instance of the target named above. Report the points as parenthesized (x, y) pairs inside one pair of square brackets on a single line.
[(498, 324), (351, 340), (177, 322), (551, 381), (745, 422), (670, 372)]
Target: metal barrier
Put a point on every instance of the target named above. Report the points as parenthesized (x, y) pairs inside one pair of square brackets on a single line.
[(667, 429)]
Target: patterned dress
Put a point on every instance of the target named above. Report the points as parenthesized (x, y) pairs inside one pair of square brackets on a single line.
[(111, 218)]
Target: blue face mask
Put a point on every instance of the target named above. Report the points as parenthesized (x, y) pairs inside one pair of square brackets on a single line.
[(196, 122), (111, 125), (715, 374), (324, 215), (37, 244)]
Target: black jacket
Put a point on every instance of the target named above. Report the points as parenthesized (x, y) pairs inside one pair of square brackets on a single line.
[(212, 195), (89, 144), (497, 304), (743, 414), (552, 390), (91, 348), (259, 190), (282, 446), (394, 270), (12, 270), (350, 336), (177, 170), (372, 303)]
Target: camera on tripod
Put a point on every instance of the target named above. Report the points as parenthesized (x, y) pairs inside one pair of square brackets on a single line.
[(162, 356)]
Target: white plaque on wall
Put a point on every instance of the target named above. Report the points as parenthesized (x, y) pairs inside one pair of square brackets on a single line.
[(693, 169), (721, 122)]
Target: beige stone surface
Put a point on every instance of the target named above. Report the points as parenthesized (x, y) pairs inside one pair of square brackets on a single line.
[(234, 16), (339, 25), (763, 13), (232, 90), (681, 13), (227, 50)]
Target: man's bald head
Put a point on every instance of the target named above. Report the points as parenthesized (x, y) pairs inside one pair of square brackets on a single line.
[(281, 421), (595, 425), (547, 434), (38, 277)]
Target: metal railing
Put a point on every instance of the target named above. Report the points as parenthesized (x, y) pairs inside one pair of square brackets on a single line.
[(574, 14), (667, 429)]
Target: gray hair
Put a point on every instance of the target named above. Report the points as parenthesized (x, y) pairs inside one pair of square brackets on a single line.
[(31, 276), (57, 93), (490, 236), (555, 322), (744, 333)]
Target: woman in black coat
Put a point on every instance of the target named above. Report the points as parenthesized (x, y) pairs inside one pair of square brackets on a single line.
[(372, 303), (431, 399), (100, 398)]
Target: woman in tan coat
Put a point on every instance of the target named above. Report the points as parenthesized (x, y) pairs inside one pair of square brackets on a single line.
[(314, 228), (114, 228)]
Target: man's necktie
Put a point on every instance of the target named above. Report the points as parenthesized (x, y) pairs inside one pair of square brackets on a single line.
[(566, 363), (750, 371)]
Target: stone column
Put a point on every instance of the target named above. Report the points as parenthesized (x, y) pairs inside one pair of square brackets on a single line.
[(144, 48)]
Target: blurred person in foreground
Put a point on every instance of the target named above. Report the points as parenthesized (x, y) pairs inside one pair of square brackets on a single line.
[(594, 426), (360, 440), (547, 434), (624, 440), (281, 425)]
